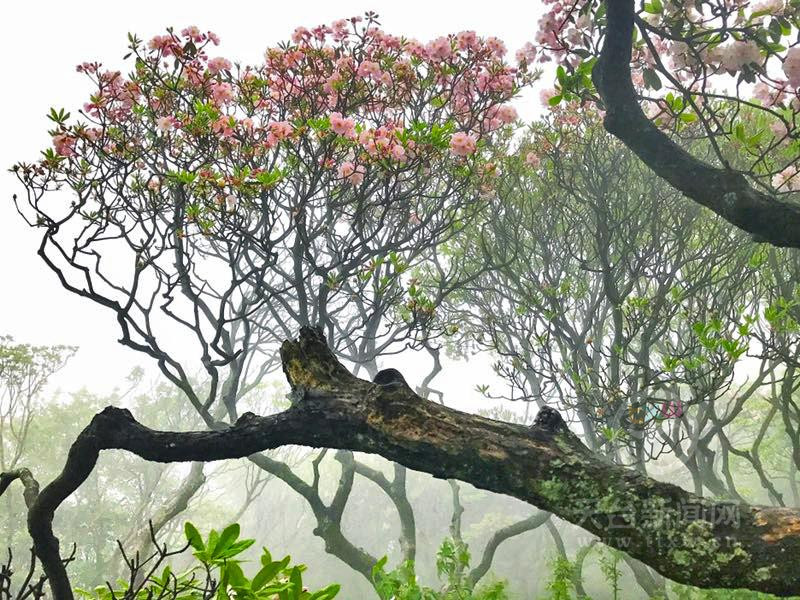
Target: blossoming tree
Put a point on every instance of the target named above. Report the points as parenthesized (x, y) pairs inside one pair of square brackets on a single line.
[(225, 205), (725, 71)]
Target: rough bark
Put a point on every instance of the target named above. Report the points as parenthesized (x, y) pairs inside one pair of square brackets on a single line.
[(726, 192), (685, 537)]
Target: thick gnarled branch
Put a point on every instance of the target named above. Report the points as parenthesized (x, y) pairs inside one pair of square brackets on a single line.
[(728, 193), (685, 537)]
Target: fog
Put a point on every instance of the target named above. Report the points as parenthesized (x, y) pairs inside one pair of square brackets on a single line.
[(456, 218)]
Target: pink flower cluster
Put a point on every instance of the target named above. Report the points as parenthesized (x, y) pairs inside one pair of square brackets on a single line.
[(64, 144), (791, 66), (354, 174), (497, 116), (215, 65), (787, 180), (343, 126), (375, 90), (463, 144), (532, 160), (383, 142)]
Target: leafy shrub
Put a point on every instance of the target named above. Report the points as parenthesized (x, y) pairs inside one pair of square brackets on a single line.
[(452, 566), (216, 573)]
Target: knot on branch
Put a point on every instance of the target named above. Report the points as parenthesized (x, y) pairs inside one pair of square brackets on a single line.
[(391, 379), (549, 419), (31, 491), (116, 414), (245, 419), (106, 424), (309, 363)]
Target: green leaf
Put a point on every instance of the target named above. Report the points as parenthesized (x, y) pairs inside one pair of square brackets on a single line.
[(234, 549), (326, 593), (296, 579), (651, 79), (268, 573), (235, 574), (655, 7), (226, 538), (193, 536)]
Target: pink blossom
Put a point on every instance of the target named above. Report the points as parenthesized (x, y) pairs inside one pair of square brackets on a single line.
[(532, 160), (369, 69), (164, 123), (224, 126), (507, 113), (439, 49), (222, 93), (213, 37), (354, 174), (342, 125), (162, 43), (416, 49), (398, 153), (281, 129), (64, 144), (462, 144), (526, 54), (154, 184), (496, 47), (340, 29), (87, 67), (230, 203), (791, 66), (739, 54), (778, 129), (215, 65), (468, 40), (300, 34), (193, 33)]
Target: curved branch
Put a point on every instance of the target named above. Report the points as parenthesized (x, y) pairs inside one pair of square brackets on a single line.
[(329, 528), (501, 535), (685, 537), (30, 485), (396, 491), (726, 192)]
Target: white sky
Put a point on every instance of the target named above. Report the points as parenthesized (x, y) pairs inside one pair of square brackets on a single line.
[(40, 44)]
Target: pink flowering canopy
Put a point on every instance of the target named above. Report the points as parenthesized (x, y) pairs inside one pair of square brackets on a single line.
[(725, 70), (237, 183)]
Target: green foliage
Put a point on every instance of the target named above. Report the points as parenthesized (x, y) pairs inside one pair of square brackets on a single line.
[(609, 565), (560, 584), (452, 566), (685, 592), (217, 573)]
